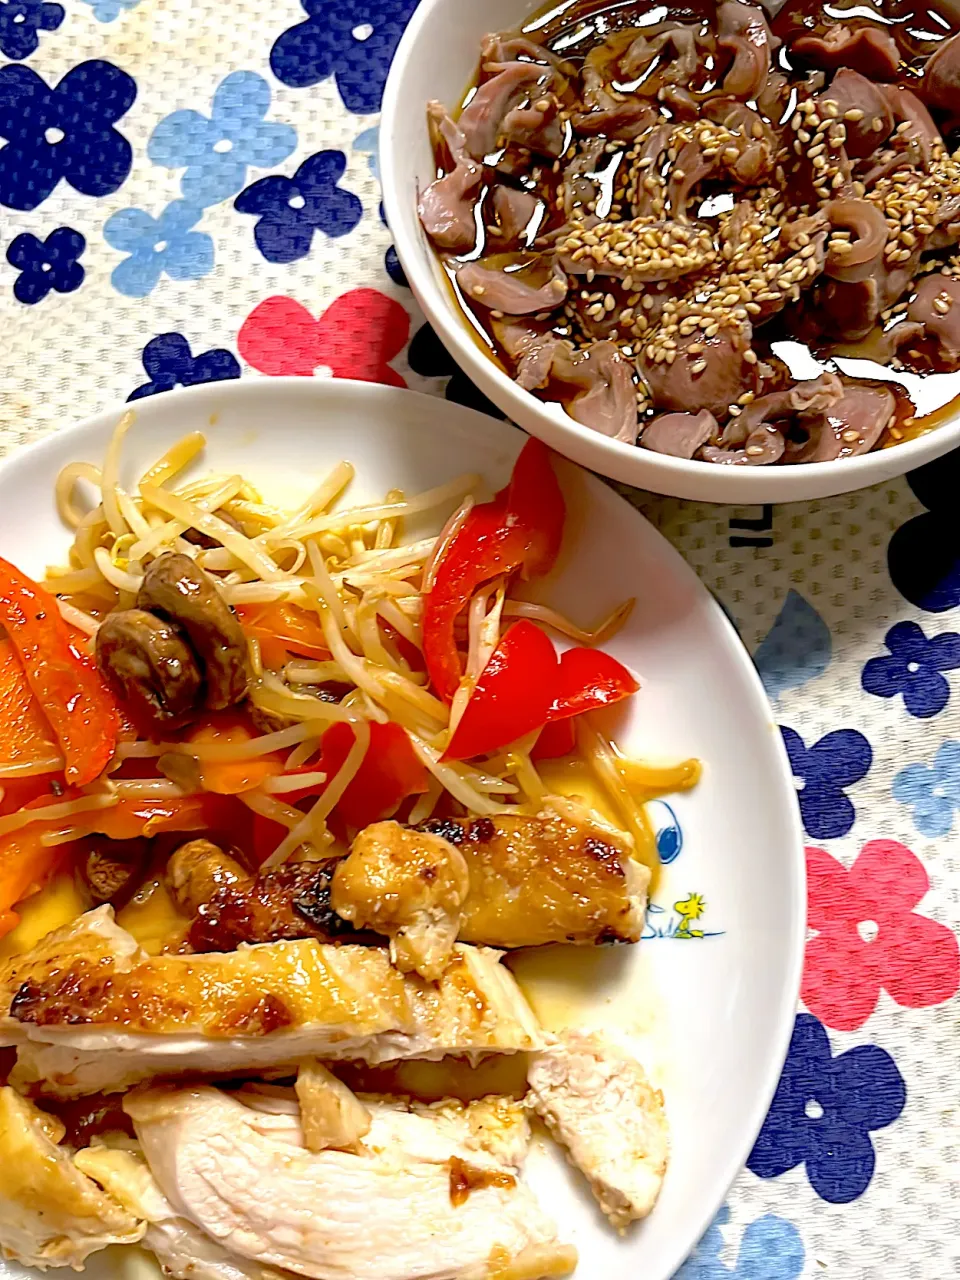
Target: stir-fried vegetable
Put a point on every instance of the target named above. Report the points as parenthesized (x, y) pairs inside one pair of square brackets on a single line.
[(390, 773), (28, 745), (283, 630), (524, 688), (520, 531), (587, 680), (76, 702), (512, 697)]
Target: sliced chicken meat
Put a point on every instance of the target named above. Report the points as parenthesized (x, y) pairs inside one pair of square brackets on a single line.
[(182, 1249), (597, 1101), (415, 1204), (51, 1213), (330, 1113), (409, 885), (89, 1011), (562, 875)]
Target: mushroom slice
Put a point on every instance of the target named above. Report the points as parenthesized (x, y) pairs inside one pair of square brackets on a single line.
[(111, 867), (51, 1214), (331, 1114), (409, 885), (415, 1204), (174, 587), (597, 1101), (149, 663)]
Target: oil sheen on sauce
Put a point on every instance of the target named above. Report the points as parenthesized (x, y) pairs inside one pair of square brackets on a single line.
[(924, 399)]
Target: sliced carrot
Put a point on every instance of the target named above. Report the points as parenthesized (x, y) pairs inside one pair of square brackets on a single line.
[(283, 631), (228, 778), (25, 866), (28, 745)]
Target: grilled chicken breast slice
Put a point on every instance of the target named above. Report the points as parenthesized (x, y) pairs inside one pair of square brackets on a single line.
[(562, 875), (89, 1012), (51, 1213), (598, 1103), (182, 1249), (415, 1204), (409, 885)]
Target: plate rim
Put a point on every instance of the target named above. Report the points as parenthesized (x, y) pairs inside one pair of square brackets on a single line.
[(793, 845)]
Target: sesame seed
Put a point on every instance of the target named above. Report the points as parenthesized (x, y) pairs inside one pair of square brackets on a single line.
[(754, 450)]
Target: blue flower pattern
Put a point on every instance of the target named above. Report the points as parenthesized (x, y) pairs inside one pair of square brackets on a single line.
[(217, 150), (796, 649), (823, 1113), (428, 356), (368, 144), (770, 1249), (158, 246), (46, 264), (914, 668), (169, 362), (66, 132), (932, 791), (823, 772), (110, 10), (290, 210), (21, 22), (355, 43), (924, 554)]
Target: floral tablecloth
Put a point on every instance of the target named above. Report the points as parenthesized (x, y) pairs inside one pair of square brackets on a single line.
[(189, 192)]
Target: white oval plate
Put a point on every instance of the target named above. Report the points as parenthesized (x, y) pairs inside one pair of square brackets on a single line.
[(712, 1013)]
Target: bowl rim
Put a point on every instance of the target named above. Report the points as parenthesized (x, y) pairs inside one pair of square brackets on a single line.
[(681, 477)]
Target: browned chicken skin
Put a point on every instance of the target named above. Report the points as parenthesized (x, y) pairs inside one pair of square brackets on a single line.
[(561, 875), (229, 906), (409, 885)]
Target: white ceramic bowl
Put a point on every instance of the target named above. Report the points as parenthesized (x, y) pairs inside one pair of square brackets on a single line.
[(712, 1014), (437, 58)]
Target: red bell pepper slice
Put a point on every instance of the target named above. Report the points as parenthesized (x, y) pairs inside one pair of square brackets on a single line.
[(512, 697), (589, 679), (389, 773), (80, 709), (557, 738), (519, 531)]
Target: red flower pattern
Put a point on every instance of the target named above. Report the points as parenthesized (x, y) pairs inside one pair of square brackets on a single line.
[(868, 937), (356, 337)]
